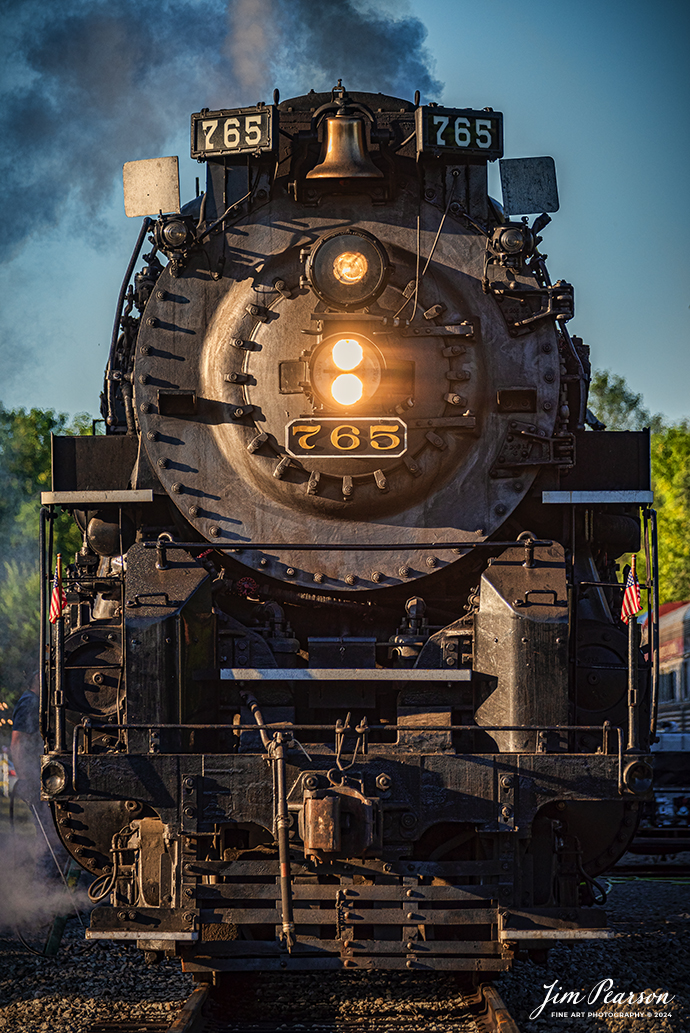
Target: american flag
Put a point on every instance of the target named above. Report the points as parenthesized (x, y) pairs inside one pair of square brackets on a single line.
[(632, 603), (58, 600)]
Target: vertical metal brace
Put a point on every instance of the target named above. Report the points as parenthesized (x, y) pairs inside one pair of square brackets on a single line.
[(507, 799), (277, 754), (43, 689), (410, 933), (190, 799), (59, 678), (651, 548), (633, 687), (189, 809)]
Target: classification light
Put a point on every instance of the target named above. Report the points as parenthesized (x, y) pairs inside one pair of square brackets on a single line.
[(175, 233)]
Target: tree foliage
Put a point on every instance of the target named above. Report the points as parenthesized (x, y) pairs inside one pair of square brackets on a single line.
[(24, 474), (619, 408), (671, 483)]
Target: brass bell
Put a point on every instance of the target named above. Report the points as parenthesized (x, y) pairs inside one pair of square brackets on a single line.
[(346, 155)]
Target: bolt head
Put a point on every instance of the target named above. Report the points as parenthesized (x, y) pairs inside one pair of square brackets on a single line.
[(214, 531), (383, 782)]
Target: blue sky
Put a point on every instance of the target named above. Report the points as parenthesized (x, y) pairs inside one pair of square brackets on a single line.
[(602, 87)]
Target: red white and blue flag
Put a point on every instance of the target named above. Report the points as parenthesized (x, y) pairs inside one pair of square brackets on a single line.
[(632, 603), (58, 600)]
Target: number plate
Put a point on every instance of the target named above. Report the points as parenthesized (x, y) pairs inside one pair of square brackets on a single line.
[(332, 438), (459, 135), (239, 131)]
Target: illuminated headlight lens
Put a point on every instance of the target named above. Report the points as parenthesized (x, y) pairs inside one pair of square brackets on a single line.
[(347, 389), (350, 267), (347, 354), (347, 269), (346, 371)]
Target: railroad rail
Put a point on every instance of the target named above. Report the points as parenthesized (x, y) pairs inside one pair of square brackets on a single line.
[(656, 870), (485, 1013)]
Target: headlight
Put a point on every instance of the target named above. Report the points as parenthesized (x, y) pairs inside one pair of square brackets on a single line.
[(347, 269), (511, 240), (346, 370)]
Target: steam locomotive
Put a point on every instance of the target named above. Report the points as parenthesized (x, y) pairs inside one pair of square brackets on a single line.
[(340, 681)]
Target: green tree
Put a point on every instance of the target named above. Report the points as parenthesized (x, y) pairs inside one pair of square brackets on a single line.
[(612, 401), (671, 483), (24, 474), (620, 408)]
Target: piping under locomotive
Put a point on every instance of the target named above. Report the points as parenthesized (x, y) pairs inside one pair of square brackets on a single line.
[(341, 681)]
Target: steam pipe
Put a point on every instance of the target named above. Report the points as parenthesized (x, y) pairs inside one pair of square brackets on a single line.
[(118, 312)]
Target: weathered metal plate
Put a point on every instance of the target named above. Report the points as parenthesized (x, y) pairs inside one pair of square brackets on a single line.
[(151, 186), (529, 185)]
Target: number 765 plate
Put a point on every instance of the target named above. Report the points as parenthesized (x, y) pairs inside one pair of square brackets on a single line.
[(331, 438)]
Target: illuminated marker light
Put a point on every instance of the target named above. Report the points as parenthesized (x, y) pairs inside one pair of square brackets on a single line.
[(347, 354), (350, 267), (347, 389)]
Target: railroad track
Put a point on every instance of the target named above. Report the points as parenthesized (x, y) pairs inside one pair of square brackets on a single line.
[(658, 870), (205, 1012)]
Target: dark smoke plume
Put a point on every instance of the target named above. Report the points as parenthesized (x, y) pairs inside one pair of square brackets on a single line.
[(90, 84)]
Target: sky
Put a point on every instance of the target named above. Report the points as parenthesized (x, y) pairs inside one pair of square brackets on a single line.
[(89, 84)]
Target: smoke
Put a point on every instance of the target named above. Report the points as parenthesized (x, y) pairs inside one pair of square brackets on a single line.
[(90, 84), (31, 895), (87, 86), (358, 42)]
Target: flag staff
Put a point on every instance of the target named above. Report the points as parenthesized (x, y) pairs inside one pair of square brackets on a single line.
[(632, 604), (59, 658)]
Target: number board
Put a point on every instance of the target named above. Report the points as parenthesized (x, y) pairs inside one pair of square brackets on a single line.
[(238, 131), (459, 134), (332, 438)]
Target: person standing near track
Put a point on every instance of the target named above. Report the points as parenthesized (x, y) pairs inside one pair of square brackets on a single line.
[(26, 743), (26, 747)]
